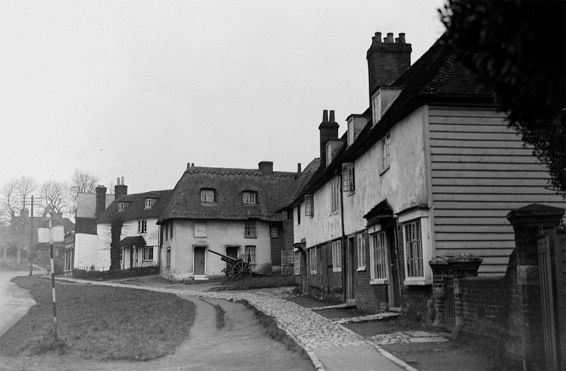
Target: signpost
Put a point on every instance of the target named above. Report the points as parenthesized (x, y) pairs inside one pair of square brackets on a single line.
[(53, 234), (36, 202)]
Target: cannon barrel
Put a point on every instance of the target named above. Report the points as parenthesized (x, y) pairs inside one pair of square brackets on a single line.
[(225, 258)]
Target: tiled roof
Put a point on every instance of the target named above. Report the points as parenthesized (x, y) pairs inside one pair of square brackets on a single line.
[(228, 183), (300, 183), (86, 204), (135, 206)]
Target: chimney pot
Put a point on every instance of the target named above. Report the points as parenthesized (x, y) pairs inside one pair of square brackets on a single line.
[(377, 37), (332, 116), (401, 38), (387, 61), (122, 180), (389, 38), (325, 115), (266, 167), (328, 131), (120, 189), (118, 181)]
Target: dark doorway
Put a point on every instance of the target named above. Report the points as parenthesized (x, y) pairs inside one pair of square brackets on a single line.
[(350, 270), (394, 290), (199, 260), (232, 251)]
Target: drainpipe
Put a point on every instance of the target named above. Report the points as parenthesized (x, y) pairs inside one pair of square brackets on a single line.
[(344, 247)]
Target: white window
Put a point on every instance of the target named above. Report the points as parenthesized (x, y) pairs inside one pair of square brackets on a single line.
[(249, 229), (361, 250), (284, 215), (250, 197), (309, 206), (148, 253), (207, 195), (142, 226), (412, 241), (348, 184), (378, 262), (297, 264), (385, 152), (250, 254), (200, 230), (335, 195), (337, 256), (168, 257), (274, 232), (313, 261), (121, 206), (148, 203)]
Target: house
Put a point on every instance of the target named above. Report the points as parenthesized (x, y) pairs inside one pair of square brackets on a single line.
[(430, 169), (227, 210), (139, 233), (82, 248)]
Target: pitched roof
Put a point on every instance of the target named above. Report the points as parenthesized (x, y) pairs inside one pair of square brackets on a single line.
[(130, 241), (228, 183), (300, 182), (86, 204), (135, 206), (437, 77)]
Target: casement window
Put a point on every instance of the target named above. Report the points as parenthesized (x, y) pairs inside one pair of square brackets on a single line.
[(361, 251), (207, 195), (348, 184), (309, 205), (142, 226), (250, 254), (250, 197), (313, 261), (337, 256), (168, 257), (378, 255), (335, 195), (412, 241), (385, 153), (121, 206), (249, 229), (147, 203), (297, 264), (274, 232), (148, 253)]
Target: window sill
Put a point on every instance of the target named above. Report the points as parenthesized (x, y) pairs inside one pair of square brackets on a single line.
[(337, 270), (417, 281), (361, 269), (312, 273), (380, 281)]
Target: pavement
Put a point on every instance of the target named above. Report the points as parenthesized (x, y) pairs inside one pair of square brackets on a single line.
[(329, 345), (14, 301)]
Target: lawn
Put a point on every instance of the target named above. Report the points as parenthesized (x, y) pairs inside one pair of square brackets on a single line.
[(98, 322)]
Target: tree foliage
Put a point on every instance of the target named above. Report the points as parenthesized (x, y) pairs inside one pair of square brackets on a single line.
[(519, 50)]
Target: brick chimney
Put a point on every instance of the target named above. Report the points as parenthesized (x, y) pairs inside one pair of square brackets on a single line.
[(100, 200), (387, 59), (120, 189), (328, 131), (266, 167)]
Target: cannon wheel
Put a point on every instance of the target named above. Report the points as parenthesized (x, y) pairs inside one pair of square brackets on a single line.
[(229, 271), (241, 270)]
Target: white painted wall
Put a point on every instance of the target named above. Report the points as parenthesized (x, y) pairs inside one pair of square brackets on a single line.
[(219, 235), (89, 252)]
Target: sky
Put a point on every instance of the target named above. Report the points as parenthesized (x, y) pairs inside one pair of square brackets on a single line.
[(138, 89)]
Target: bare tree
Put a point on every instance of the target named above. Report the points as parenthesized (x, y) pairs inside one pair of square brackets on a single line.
[(10, 201), (55, 197), (82, 182), (26, 186)]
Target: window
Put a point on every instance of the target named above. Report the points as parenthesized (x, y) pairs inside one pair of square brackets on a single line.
[(250, 197), (250, 254), (337, 256), (413, 249), (299, 213), (142, 226), (249, 229), (378, 245), (348, 177), (385, 152), (274, 232), (148, 203), (309, 206), (207, 195), (121, 206), (168, 257), (148, 253), (313, 262), (361, 251), (284, 215), (297, 264), (335, 195)]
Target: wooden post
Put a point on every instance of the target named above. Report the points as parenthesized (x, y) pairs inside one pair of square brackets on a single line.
[(53, 277)]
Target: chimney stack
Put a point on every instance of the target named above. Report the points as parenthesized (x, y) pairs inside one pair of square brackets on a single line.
[(120, 189), (266, 167), (328, 131), (100, 200), (299, 168), (387, 59)]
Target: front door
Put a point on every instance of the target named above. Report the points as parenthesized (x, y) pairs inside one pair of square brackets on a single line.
[(199, 260), (350, 271), (131, 257), (394, 285)]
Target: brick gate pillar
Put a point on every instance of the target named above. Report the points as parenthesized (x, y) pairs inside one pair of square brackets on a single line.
[(528, 222)]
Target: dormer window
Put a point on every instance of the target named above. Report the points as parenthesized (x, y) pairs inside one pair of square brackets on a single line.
[(121, 206), (207, 195), (381, 100), (249, 197), (148, 203)]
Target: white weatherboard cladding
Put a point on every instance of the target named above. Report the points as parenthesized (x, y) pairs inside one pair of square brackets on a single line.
[(403, 185), (220, 233), (324, 225)]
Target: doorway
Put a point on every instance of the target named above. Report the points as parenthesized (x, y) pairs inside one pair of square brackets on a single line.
[(394, 287), (350, 270), (232, 251), (199, 260)]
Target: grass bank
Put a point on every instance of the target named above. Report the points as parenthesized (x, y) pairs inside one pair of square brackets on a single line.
[(259, 282), (99, 322)]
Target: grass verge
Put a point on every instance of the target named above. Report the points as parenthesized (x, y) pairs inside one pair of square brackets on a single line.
[(97, 322)]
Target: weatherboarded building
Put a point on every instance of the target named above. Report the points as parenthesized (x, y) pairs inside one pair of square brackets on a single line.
[(430, 169), (226, 210)]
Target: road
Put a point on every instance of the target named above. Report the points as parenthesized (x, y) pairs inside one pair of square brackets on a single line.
[(14, 301)]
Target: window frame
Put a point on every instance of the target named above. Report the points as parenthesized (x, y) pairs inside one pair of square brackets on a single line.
[(336, 247), (309, 205), (348, 177), (334, 195), (313, 256), (249, 197), (413, 237), (250, 232), (121, 206), (148, 203), (168, 257), (361, 253), (385, 162), (379, 257), (207, 191), (147, 252), (253, 257), (273, 229), (142, 226)]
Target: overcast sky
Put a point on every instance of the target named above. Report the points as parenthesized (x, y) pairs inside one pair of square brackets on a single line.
[(139, 88)]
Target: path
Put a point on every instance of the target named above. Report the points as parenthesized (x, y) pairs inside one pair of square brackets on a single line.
[(14, 301)]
